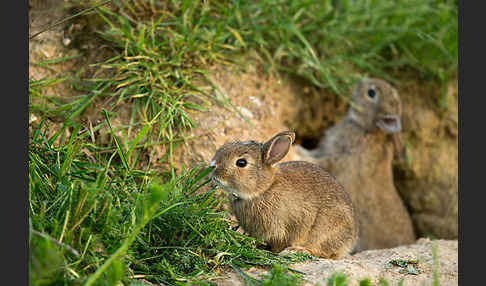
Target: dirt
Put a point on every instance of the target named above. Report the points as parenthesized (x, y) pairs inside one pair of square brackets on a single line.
[(376, 264), (48, 45), (428, 182), (252, 93), (312, 111), (76, 39)]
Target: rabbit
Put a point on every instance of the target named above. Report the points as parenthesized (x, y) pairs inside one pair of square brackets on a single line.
[(359, 151), (293, 206)]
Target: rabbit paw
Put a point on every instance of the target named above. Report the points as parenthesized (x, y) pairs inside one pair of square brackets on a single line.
[(294, 249)]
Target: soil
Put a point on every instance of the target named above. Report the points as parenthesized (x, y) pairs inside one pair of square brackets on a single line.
[(76, 39), (428, 182), (376, 264), (253, 94)]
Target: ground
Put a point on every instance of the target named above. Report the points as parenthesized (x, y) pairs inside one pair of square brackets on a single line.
[(375, 264)]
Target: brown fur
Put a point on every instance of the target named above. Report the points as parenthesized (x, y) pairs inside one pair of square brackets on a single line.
[(293, 206), (359, 154)]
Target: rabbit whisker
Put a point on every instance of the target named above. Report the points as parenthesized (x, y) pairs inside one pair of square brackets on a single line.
[(224, 187)]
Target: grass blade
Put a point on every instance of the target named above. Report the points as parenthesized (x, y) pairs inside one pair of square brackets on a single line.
[(117, 143)]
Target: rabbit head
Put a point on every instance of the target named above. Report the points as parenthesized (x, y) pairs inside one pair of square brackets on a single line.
[(376, 104), (245, 169)]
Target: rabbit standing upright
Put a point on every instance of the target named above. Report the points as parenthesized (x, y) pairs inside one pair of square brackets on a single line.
[(294, 206), (359, 150)]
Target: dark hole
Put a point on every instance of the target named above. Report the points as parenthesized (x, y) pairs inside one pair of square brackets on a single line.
[(308, 143)]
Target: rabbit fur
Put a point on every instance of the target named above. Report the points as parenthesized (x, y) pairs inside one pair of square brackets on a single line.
[(359, 151), (294, 206)]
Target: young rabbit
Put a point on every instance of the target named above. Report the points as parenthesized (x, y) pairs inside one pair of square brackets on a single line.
[(294, 206), (359, 150)]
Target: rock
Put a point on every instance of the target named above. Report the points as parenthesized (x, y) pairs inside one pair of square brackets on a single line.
[(375, 264)]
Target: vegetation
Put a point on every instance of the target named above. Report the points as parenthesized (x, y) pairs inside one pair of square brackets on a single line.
[(125, 222), (99, 216)]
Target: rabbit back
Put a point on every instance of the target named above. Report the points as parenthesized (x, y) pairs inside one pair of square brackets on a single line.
[(304, 206)]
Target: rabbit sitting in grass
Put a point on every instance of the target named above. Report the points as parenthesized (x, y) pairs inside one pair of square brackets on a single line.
[(294, 206)]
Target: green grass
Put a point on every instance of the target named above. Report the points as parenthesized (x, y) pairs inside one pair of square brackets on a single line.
[(162, 50), (277, 275), (281, 276), (97, 217), (326, 42), (337, 279), (123, 221)]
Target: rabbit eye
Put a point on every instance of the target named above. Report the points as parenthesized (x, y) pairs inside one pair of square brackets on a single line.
[(241, 162), (371, 93)]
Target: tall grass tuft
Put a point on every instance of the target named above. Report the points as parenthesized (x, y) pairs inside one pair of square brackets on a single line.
[(94, 221), (327, 42)]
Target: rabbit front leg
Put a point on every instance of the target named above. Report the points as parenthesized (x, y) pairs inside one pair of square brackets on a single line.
[(295, 249), (276, 246)]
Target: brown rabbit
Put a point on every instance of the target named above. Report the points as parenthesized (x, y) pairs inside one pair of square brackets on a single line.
[(293, 206), (359, 150)]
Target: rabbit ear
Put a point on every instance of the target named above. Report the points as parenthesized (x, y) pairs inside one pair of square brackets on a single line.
[(277, 147)]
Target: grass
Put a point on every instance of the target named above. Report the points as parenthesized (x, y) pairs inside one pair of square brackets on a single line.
[(163, 49), (97, 217), (124, 222), (277, 275), (281, 276)]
